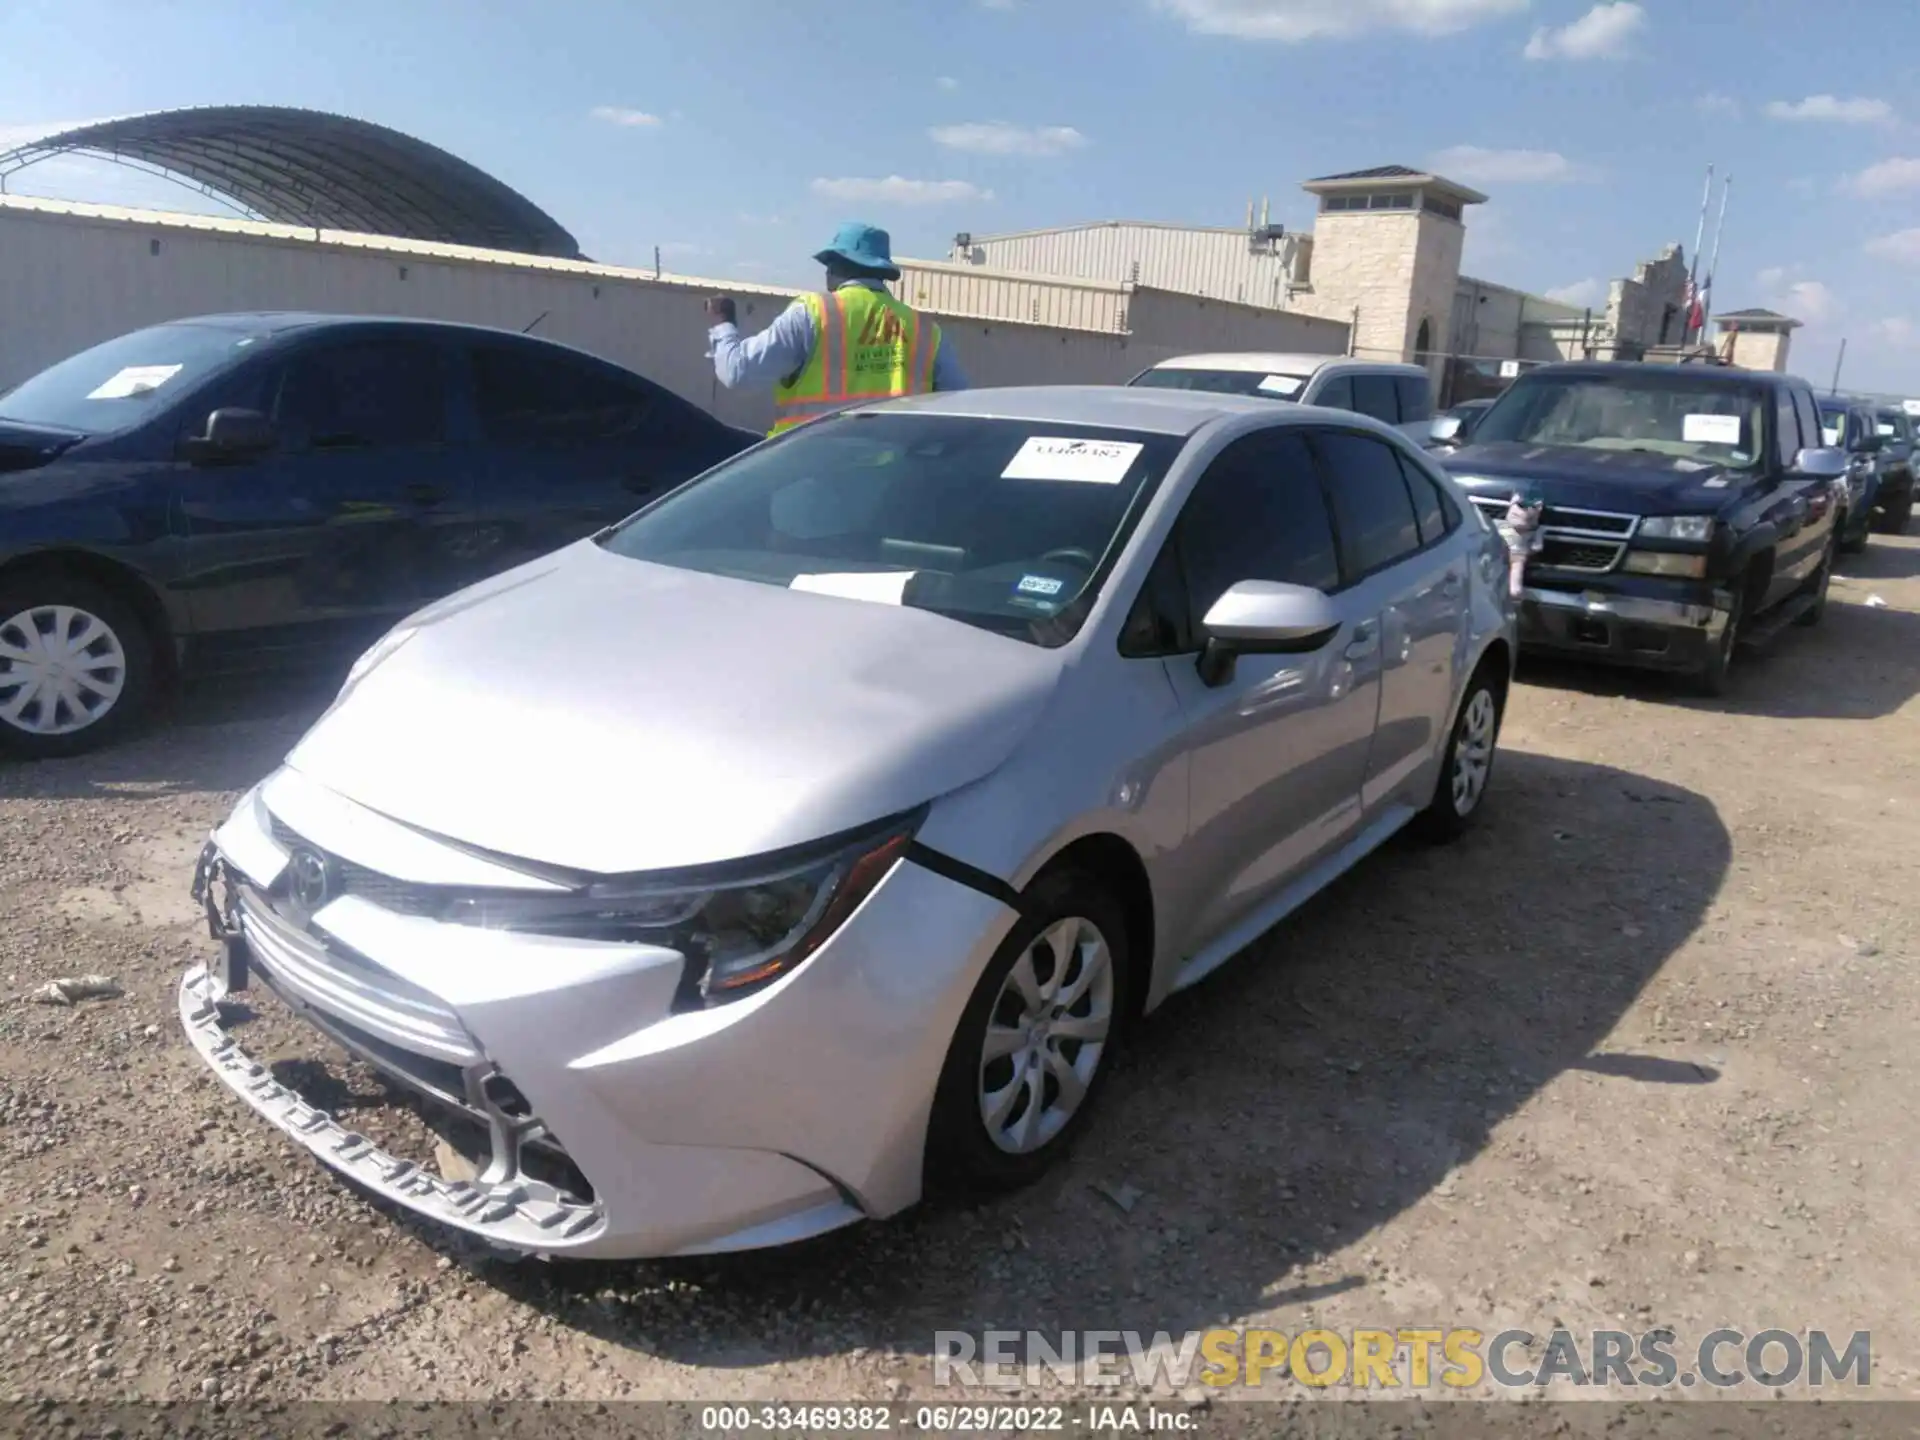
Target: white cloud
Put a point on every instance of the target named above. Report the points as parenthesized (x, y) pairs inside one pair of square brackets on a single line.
[(895, 190), (1857, 111), (1604, 33), (1580, 292), (997, 137), (1476, 165), (1809, 301), (1294, 21), (1898, 331), (1714, 103), (619, 115), (1886, 177), (947, 82), (1901, 245)]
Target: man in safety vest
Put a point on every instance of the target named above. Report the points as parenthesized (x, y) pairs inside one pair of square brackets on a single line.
[(851, 344)]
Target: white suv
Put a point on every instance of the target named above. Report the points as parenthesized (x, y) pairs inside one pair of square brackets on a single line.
[(1397, 395)]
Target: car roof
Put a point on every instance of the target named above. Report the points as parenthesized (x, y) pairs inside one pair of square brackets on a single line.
[(1725, 374), (1273, 362), (1115, 407), (275, 322)]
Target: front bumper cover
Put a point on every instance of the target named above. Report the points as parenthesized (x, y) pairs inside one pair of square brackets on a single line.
[(1649, 631), (753, 1124)]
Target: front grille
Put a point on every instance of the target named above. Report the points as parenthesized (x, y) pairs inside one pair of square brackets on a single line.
[(402, 897), (1559, 554)]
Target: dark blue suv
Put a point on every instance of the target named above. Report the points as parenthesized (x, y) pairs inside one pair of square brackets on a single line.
[(227, 490)]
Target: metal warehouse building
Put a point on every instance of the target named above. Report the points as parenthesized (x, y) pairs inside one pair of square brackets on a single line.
[(343, 216)]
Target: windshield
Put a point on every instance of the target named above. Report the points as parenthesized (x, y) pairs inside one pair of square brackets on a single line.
[(116, 385), (1675, 416), (1270, 385), (1833, 421), (1010, 525)]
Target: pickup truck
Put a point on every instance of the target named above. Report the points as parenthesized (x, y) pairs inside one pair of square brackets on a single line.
[(1688, 510)]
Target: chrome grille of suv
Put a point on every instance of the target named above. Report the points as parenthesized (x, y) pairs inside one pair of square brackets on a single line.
[(1587, 541)]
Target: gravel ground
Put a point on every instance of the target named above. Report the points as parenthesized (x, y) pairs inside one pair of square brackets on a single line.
[(1631, 1054)]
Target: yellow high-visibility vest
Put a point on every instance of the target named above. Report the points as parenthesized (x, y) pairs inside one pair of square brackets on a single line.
[(867, 346)]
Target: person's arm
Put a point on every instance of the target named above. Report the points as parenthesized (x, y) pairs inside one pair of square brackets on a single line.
[(762, 360), (947, 374)]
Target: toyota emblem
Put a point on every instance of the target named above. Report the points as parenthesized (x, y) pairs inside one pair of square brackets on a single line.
[(310, 880)]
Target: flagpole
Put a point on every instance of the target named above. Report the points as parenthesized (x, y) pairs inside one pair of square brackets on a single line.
[(1699, 237), (1713, 261)]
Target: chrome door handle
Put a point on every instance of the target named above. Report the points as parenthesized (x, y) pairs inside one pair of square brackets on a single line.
[(1365, 642), (1450, 586)]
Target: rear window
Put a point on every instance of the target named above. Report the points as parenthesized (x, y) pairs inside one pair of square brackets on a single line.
[(1268, 385)]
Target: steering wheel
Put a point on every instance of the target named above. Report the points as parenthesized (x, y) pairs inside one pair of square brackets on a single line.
[(1073, 554)]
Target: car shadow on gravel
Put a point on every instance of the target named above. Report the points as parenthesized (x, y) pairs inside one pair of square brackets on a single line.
[(1330, 1078), (1885, 558), (1861, 663), (182, 750)]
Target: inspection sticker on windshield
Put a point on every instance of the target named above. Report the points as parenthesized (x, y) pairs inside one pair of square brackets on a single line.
[(1040, 585), (1710, 430), (1090, 462), (134, 380), (1281, 384)]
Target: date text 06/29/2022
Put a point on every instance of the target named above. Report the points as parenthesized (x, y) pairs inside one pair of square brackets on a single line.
[(1094, 1418)]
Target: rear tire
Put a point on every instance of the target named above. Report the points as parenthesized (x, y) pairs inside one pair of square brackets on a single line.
[(1466, 766), (1854, 544), (1036, 1042), (76, 665), (1819, 585), (1898, 514)]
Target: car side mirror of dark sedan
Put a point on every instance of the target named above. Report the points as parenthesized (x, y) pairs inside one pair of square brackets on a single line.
[(1263, 617), (1821, 463), (1447, 430), (232, 433)]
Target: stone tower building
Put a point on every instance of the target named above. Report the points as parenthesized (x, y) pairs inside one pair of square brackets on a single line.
[(1386, 258)]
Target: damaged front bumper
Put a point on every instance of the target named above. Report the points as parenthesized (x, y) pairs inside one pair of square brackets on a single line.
[(612, 1122)]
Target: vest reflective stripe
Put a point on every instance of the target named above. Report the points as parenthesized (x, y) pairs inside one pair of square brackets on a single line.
[(867, 346)]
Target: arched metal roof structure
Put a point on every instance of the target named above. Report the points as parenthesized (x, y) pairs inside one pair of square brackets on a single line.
[(306, 167)]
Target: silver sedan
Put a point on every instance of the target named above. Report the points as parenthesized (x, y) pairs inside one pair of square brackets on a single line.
[(816, 834)]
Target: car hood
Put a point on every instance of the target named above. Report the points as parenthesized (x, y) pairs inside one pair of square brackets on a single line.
[(25, 447), (1627, 481), (612, 715)]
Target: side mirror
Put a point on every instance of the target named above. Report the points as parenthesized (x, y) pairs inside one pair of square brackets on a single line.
[(1871, 444), (1825, 463), (1264, 617), (232, 433), (1445, 429)]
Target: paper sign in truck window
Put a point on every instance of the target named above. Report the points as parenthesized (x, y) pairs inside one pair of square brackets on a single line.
[(1091, 462), (134, 380), (1711, 430), (1282, 384), (887, 587)]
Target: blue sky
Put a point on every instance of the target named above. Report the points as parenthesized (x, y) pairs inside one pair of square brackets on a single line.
[(735, 134)]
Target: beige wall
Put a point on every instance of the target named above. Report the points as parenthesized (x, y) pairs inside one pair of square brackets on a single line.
[(1396, 267), (1760, 350), (69, 280), (1636, 306)]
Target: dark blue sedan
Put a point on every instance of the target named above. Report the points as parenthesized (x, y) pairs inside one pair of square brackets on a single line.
[(220, 492)]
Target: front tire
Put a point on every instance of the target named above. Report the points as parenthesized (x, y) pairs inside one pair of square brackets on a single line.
[(1466, 768), (76, 666), (1035, 1043), (1897, 514), (1714, 675)]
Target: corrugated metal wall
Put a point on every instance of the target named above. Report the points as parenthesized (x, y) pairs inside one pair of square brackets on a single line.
[(994, 295), (1216, 263), (71, 277)]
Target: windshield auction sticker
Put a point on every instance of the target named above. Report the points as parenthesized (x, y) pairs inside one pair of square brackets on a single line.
[(1091, 462), (134, 380)]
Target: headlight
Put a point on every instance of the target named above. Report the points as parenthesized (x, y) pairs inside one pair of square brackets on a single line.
[(738, 932), (1658, 562), (1698, 529)]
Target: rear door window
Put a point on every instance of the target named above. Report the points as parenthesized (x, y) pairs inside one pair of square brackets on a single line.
[(1416, 398), (1336, 394), (1374, 395), (526, 395)]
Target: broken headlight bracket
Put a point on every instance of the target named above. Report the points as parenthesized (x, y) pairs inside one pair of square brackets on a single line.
[(213, 890)]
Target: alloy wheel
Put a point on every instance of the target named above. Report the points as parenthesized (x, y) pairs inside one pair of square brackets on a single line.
[(1473, 751), (1046, 1034), (62, 669)]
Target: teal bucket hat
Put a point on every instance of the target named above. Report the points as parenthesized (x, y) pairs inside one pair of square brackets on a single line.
[(866, 246)]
